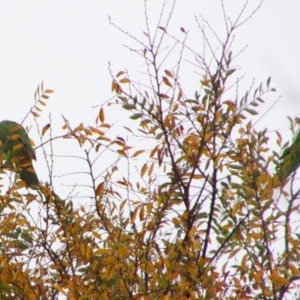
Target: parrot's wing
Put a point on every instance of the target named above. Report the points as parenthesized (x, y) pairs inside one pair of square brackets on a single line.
[(290, 159), (13, 138)]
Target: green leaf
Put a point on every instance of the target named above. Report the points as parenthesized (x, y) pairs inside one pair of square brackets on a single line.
[(260, 100), (136, 116), (268, 82), (230, 72), (225, 185), (158, 137), (128, 106)]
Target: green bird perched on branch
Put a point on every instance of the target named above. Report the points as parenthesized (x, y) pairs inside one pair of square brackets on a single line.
[(16, 148), (290, 159)]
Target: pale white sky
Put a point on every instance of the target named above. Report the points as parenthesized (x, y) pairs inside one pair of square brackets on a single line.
[(68, 44)]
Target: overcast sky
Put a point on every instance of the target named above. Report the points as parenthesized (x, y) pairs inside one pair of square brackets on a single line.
[(68, 45)]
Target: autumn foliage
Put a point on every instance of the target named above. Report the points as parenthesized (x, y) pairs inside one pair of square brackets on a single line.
[(187, 208)]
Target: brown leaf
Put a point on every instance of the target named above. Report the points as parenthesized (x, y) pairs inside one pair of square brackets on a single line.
[(99, 189), (168, 73), (46, 127), (48, 91), (35, 114), (167, 82), (42, 102), (142, 213), (120, 73), (101, 115), (144, 169)]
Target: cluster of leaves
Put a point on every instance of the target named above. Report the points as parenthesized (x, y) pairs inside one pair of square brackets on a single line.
[(199, 219)]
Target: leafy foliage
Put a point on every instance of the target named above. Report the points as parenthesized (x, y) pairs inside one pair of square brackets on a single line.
[(187, 207)]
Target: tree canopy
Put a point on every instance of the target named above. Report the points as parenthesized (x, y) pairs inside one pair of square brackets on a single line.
[(184, 201)]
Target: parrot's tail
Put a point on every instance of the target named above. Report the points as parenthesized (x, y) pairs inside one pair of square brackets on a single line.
[(28, 175)]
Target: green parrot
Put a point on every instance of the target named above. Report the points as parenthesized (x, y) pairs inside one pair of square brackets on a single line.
[(15, 143), (290, 159)]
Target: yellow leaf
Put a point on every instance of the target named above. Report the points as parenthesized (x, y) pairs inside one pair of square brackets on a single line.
[(143, 170), (185, 215), (227, 226), (133, 215), (258, 276), (54, 267), (244, 262), (277, 279), (205, 82), (294, 269), (293, 242), (198, 176), (151, 169), (59, 288), (122, 204), (124, 80), (46, 127), (102, 252), (138, 153)]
